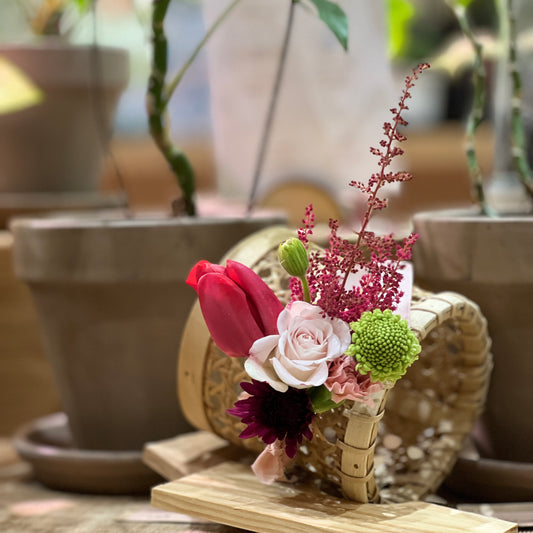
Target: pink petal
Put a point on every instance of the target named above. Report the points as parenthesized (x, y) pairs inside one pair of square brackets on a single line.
[(262, 300), (270, 464), (226, 313), (297, 376), (263, 347), (264, 373)]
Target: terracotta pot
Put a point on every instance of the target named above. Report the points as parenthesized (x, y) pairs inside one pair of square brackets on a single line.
[(112, 301), (58, 145), (490, 260)]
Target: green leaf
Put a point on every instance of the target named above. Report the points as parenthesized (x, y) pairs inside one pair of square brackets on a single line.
[(399, 15), (335, 19), (463, 3), (82, 5), (321, 399)]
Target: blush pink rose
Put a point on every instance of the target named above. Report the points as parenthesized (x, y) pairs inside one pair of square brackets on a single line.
[(299, 355), (346, 383)]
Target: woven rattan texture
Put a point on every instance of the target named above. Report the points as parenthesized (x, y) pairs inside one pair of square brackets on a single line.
[(428, 414)]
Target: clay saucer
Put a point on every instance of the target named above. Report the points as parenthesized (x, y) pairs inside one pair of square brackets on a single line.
[(490, 480), (46, 444)]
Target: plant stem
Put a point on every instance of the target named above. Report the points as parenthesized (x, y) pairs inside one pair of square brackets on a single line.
[(171, 87), (518, 137), (156, 107), (98, 102), (305, 286), (476, 113), (265, 135)]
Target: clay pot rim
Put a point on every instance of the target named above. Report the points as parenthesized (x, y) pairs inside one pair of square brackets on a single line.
[(59, 45), (117, 219), (55, 63), (472, 216), (76, 249)]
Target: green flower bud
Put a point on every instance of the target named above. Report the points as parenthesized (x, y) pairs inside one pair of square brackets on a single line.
[(293, 257), (383, 345)]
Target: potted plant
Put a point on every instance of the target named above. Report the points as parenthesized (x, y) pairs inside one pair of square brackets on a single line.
[(51, 152), (111, 294), (68, 131), (487, 256)]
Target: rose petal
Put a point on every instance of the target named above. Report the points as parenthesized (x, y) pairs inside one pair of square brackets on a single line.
[(294, 376), (263, 347), (264, 372)]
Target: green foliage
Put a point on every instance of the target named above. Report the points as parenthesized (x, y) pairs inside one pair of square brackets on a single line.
[(321, 399), (462, 3), (400, 13), (83, 5), (334, 18)]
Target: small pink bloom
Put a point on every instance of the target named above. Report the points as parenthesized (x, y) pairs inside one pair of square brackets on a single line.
[(299, 354), (271, 463), (345, 383), (237, 305)]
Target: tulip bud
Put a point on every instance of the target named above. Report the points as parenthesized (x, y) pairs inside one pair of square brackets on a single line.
[(293, 257)]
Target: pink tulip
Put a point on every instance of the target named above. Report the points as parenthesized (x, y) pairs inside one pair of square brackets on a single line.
[(237, 305)]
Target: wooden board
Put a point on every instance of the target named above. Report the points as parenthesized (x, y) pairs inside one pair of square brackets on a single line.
[(189, 453), (230, 494)]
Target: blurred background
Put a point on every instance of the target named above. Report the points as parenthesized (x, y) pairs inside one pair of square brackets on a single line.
[(331, 109)]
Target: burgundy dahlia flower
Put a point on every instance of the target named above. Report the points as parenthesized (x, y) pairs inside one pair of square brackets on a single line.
[(272, 415)]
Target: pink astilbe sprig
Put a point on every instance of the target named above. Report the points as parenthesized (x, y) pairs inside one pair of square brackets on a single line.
[(308, 223), (349, 278)]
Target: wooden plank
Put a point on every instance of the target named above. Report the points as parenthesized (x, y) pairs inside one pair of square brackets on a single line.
[(230, 494), (189, 453)]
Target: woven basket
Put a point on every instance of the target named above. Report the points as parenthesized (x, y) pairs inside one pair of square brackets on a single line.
[(396, 455)]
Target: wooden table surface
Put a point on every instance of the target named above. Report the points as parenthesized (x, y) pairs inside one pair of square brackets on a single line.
[(26, 506)]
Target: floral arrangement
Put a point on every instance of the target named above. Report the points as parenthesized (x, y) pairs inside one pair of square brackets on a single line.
[(343, 337)]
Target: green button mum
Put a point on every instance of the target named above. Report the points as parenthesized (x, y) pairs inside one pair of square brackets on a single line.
[(383, 345)]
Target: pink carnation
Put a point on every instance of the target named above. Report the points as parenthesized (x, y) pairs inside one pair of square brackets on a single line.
[(345, 383)]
